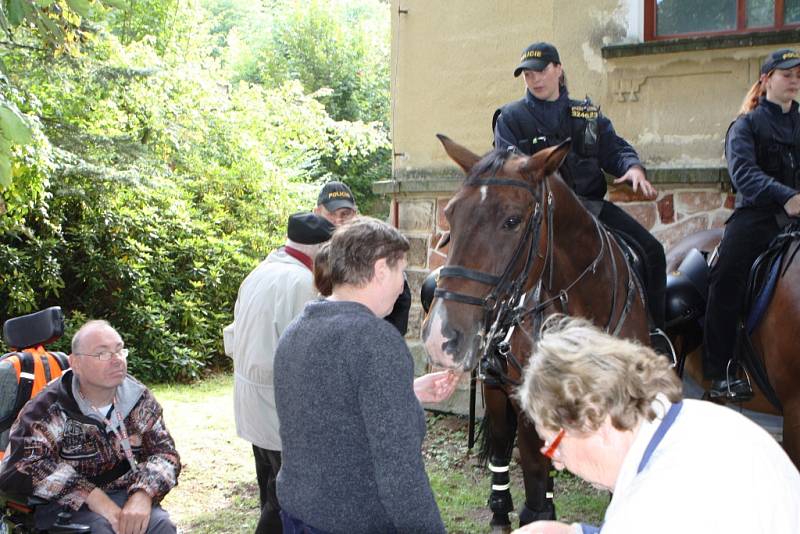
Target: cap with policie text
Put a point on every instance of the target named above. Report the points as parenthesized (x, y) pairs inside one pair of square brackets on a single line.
[(536, 57), (335, 195), (782, 59), (309, 228)]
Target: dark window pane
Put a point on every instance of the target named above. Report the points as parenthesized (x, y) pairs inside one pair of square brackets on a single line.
[(688, 16), (760, 13), (791, 11)]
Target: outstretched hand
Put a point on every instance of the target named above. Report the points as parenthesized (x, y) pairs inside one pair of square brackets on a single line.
[(636, 177), (792, 206), (436, 387), (545, 527)]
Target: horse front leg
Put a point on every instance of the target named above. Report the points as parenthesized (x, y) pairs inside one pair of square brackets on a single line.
[(497, 443), (539, 504)]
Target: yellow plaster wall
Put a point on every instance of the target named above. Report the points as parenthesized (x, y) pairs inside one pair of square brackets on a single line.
[(452, 64)]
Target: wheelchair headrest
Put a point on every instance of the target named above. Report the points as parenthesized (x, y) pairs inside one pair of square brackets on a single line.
[(34, 329)]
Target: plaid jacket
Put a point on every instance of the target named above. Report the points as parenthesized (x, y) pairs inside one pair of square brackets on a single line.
[(59, 453)]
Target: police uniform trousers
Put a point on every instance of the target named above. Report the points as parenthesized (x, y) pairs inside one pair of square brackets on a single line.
[(268, 463), (655, 262), (748, 233)]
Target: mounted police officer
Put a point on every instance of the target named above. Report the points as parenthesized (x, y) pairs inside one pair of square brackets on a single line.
[(544, 117), (762, 148)]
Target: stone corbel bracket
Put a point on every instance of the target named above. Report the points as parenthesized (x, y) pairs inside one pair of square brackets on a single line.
[(627, 89)]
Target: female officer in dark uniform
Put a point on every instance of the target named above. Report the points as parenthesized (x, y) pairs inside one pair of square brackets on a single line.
[(545, 117), (762, 149)]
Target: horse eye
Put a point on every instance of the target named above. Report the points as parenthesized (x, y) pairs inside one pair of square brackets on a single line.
[(512, 222)]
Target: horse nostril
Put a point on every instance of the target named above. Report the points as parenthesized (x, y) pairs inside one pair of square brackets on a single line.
[(452, 343)]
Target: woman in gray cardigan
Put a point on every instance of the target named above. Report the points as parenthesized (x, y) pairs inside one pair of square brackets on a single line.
[(349, 408)]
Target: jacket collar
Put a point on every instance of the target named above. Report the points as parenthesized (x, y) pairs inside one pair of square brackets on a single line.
[(128, 394), (775, 108)]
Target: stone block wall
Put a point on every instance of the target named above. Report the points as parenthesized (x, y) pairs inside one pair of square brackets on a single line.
[(678, 211)]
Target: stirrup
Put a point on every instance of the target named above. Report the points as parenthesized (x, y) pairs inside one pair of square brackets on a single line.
[(658, 333), (731, 395)]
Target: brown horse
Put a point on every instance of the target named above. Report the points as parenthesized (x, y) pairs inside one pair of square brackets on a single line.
[(522, 247), (775, 339)]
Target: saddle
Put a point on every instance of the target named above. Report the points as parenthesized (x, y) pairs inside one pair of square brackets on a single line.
[(687, 294)]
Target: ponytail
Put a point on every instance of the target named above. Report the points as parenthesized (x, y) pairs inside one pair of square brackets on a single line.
[(752, 97)]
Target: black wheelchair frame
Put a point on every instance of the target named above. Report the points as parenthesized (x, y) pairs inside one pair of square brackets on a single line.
[(17, 511)]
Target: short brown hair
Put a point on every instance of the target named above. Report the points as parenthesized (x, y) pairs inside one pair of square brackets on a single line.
[(578, 375), (356, 246), (322, 271)]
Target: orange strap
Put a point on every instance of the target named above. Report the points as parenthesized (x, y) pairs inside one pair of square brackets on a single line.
[(39, 376)]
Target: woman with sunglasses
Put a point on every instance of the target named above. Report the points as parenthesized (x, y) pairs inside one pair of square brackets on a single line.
[(611, 412)]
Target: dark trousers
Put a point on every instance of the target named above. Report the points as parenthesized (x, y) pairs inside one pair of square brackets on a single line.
[(268, 463), (46, 515), (748, 233), (656, 264)]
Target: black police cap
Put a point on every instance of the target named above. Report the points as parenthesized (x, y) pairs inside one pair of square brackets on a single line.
[(536, 57), (335, 195), (782, 59)]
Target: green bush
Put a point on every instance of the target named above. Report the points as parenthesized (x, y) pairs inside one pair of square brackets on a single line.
[(156, 179)]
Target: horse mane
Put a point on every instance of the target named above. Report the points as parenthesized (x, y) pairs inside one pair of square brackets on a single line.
[(490, 164)]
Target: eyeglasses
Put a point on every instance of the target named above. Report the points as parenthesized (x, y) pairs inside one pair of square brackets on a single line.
[(106, 355), (551, 449)]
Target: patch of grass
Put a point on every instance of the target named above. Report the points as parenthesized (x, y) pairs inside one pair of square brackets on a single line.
[(217, 491)]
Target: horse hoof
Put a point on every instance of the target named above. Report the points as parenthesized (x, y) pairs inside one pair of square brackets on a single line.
[(501, 529)]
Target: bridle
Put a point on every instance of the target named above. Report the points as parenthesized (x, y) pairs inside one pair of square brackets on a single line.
[(506, 301)]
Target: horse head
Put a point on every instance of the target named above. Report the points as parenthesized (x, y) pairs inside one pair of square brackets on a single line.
[(496, 240)]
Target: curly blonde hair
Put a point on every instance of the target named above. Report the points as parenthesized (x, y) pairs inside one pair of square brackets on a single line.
[(579, 375)]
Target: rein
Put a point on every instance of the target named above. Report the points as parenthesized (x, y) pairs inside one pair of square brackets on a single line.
[(511, 311)]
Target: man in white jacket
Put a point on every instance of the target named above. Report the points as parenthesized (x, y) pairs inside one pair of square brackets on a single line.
[(271, 296)]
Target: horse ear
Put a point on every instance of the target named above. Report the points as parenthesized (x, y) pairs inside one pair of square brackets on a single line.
[(548, 161), (465, 158)]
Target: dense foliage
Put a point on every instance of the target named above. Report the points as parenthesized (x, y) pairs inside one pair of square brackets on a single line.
[(154, 149)]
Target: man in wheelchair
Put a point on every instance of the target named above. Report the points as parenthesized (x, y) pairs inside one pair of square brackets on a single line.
[(94, 442)]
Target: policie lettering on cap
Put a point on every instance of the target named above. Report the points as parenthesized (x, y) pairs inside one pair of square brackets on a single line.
[(536, 57), (335, 195), (782, 59)]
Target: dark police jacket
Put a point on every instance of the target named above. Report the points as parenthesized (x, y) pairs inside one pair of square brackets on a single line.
[(763, 153), (531, 124)]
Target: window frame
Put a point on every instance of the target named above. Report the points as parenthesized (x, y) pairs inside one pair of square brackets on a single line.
[(650, 11)]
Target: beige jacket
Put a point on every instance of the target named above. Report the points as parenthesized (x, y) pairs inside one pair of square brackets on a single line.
[(271, 296)]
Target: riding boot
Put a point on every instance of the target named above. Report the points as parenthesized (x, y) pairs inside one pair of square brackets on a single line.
[(731, 388)]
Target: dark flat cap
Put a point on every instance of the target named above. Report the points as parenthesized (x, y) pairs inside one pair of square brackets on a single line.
[(309, 228)]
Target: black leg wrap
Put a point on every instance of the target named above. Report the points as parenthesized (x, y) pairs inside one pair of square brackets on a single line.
[(500, 501), (548, 513)]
